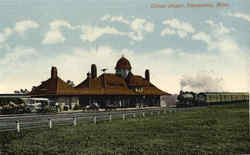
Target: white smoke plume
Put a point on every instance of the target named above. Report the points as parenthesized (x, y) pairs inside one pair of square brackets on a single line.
[(202, 82)]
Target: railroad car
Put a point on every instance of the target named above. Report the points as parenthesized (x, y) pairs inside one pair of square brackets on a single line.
[(210, 98), (187, 99)]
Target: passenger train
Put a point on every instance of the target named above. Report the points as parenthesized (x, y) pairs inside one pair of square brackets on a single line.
[(189, 99)]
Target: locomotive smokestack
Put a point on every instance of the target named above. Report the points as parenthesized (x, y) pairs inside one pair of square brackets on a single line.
[(147, 75), (53, 72), (93, 71)]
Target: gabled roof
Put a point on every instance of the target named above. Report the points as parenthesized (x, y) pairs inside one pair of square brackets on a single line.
[(105, 84), (90, 83), (53, 86), (152, 90), (112, 81), (114, 84), (136, 81)]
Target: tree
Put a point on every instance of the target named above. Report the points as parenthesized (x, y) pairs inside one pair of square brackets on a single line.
[(21, 91)]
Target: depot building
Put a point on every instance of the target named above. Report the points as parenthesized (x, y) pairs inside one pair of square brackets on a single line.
[(119, 89)]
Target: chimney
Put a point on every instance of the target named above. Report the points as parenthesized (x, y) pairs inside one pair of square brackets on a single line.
[(88, 75), (93, 71), (53, 72), (147, 75)]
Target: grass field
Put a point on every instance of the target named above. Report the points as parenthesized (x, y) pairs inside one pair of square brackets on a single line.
[(222, 129)]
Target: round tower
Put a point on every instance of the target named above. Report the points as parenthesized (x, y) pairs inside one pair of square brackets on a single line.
[(123, 67)]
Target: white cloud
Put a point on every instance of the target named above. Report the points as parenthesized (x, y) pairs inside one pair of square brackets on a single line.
[(2, 38), (5, 34), (17, 55), (210, 22), (90, 33), (167, 31), (139, 26), (218, 37), (25, 25), (240, 15), (20, 28), (54, 35), (218, 29), (228, 52), (202, 36), (176, 26), (182, 34), (57, 24), (7, 31), (115, 19)]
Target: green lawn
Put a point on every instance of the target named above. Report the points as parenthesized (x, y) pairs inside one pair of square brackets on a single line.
[(222, 129)]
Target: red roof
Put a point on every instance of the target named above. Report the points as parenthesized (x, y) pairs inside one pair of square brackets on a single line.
[(90, 83), (136, 81), (123, 63), (147, 88), (52, 86), (105, 84)]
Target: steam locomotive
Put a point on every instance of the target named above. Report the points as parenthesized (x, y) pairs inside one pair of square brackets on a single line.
[(190, 99)]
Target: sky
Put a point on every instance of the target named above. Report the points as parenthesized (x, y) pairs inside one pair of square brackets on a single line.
[(176, 44)]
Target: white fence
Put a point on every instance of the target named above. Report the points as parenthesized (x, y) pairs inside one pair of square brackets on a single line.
[(18, 123)]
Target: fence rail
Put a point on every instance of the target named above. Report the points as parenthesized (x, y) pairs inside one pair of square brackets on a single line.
[(36, 121)]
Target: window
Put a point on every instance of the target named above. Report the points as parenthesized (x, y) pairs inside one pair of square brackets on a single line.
[(139, 90)]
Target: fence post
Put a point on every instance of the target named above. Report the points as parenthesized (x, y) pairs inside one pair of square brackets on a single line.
[(152, 113), (110, 117), (134, 115), (18, 126), (164, 111), (50, 123), (143, 114), (94, 119), (74, 120), (123, 116)]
